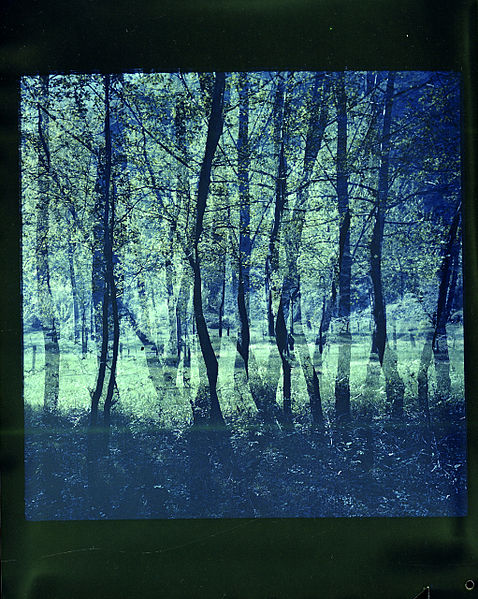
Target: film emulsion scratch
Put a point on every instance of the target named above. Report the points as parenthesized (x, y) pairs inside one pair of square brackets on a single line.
[(242, 295)]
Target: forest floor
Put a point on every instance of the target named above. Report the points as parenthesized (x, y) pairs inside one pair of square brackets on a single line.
[(159, 466), (377, 468)]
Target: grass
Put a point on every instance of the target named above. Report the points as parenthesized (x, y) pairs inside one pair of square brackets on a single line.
[(158, 466), (375, 468), (137, 396)]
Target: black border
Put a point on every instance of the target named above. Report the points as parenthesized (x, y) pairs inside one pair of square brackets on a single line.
[(330, 558)]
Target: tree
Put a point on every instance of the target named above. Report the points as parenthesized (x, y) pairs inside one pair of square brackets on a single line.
[(342, 383), (45, 300), (213, 134), (245, 247), (103, 270), (395, 388), (317, 109), (436, 338)]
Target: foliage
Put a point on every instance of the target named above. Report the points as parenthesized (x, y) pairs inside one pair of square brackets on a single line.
[(270, 185)]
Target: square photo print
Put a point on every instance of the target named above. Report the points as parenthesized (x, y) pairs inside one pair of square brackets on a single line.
[(242, 295)]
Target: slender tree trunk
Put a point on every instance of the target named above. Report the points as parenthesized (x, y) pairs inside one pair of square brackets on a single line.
[(245, 247), (223, 297), (183, 195), (445, 300), (272, 260), (74, 294), (34, 354), (114, 282), (153, 360), (171, 302), (270, 314), (422, 377), (318, 111), (182, 315), (243, 383), (379, 337), (308, 369), (184, 341), (342, 381), (114, 308), (92, 321), (453, 280), (281, 334), (162, 373), (214, 133), (275, 291), (45, 298), (99, 267), (324, 325), (395, 388), (210, 360), (84, 334), (103, 289), (282, 346)]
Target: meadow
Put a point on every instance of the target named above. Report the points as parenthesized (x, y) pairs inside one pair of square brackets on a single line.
[(159, 465)]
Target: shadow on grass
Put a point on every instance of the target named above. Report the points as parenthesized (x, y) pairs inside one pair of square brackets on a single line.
[(366, 468)]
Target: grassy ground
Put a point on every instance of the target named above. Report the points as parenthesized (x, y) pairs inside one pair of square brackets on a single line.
[(370, 469), (77, 376), (158, 466)]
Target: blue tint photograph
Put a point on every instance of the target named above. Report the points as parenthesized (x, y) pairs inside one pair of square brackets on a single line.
[(242, 295)]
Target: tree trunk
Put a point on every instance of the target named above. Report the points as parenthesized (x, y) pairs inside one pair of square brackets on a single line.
[(342, 381), (114, 284), (183, 341), (100, 256), (74, 295), (34, 354), (214, 133), (45, 299), (318, 111), (98, 268), (380, 325), (272, 259), (102, 280), (324, 325), (394, 386), (162, 373), (223, 298), (422, 377), (445, 300), (245, 247), (116, 329), (310, 373), (379, 334), (182, 319), (273, 285), (92, 321), (84, 334), (393, 383), (282, 346), (171, 302), (153, 360), (209, 357)]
